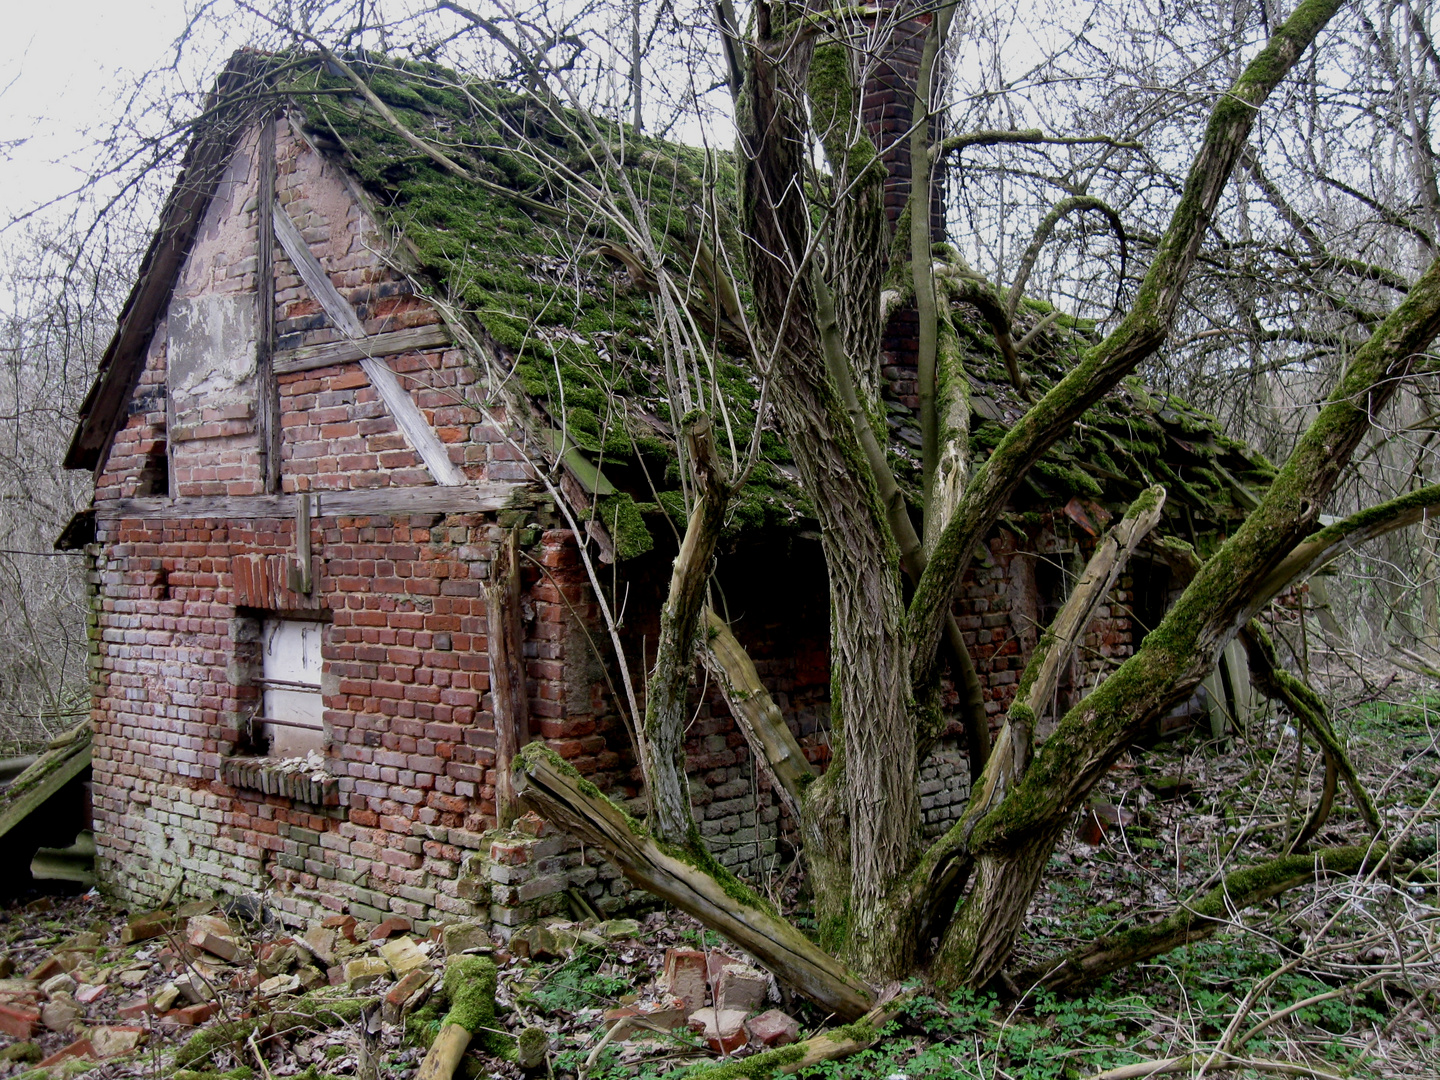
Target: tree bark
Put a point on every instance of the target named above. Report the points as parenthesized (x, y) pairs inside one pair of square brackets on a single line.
[(1041, 678), (668, 691), (1011, 841), (1309, 708), (1137, 337), (1014, 745), (871, 715), (692, 881)]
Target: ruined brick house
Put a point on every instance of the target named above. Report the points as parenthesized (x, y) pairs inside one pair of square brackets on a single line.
[(307, 477)]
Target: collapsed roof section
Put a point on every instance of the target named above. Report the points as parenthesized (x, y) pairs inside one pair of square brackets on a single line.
[(524, 220)]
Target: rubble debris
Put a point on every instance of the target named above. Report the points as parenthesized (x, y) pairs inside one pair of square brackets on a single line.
[(80, 1048), (407, 995), (164, 999), (459, 937), (169, 994), (62, 1013), (62, 983), (215, 935), (403, 956), (321, 941), (364, 971), (723, 1030), (19, 1021), (344, 924), (109, 1042), (646, 1018), (740, 987), (193, 1015), (686, 976), (396, 924), (150, 925), (90, 993), (773, 1028)]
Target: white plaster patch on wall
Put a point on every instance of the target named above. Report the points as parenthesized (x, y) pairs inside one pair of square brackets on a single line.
[(211, 350)]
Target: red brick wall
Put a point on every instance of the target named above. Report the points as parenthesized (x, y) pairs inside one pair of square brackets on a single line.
[(409, 716)]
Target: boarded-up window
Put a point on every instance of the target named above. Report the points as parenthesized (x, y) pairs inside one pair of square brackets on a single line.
[(293, 708)]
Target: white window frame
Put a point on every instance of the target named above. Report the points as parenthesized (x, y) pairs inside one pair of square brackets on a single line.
[(292, 706)]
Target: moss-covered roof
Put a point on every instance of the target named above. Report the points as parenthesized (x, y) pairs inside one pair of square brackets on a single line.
[(553, 283), (507, 238), (537, 268), (1133, 438)]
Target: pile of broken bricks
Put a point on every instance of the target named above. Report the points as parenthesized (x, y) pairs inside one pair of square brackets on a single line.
[(103, 994), (720, 999), (126, 994)]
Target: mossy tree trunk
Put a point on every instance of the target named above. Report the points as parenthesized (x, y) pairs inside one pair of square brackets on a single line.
[(815, 277)]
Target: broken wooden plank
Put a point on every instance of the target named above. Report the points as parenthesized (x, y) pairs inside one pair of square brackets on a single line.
[(586, 472), (471, 498), (769, 737), (408, 417), (310, 357), (336, 307), (66, 759)]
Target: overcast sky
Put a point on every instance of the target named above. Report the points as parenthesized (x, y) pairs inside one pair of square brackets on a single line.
[(63, 69)]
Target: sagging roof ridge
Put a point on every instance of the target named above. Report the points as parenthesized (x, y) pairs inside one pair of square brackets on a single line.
[(485, 246)]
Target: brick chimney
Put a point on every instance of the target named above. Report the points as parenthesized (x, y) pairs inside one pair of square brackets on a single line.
[(888, 96), (887, 101)]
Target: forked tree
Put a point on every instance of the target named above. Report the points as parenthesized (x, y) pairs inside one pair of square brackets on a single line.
[(824, 277)]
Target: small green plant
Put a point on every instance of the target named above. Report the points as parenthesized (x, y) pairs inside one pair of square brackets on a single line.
[(577, 984)]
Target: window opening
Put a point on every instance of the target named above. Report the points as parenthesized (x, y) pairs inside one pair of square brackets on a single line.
[(292, 708)]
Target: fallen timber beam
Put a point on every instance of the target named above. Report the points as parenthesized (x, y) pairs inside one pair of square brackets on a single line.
[(693, 883), (1065, 633), (466, 499), (755, 711)]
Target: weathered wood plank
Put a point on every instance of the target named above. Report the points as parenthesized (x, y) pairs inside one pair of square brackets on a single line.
[(769, 737), (336, 307), (477, 498), (310, 357), (269, 390), (411, 421), (507, 672), (408, 417)]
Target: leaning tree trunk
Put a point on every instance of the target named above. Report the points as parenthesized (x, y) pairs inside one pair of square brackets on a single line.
[(668, 688)]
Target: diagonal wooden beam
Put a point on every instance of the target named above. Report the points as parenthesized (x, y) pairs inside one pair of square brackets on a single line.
[(408, 417)]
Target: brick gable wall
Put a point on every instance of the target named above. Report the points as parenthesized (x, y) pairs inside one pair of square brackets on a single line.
[(399, 822)]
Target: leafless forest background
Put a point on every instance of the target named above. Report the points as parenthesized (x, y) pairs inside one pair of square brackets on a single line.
[(1336, 208)]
